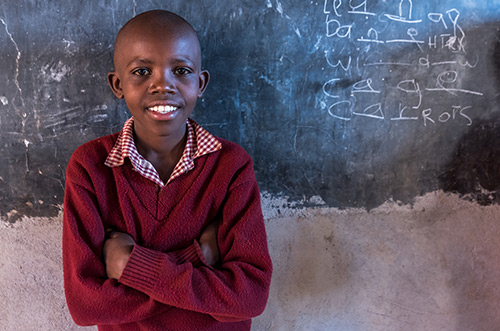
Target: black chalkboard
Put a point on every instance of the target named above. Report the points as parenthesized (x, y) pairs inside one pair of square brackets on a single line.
[(340, 103)]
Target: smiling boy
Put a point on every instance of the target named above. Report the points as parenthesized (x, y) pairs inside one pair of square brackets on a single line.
[(163, 228)]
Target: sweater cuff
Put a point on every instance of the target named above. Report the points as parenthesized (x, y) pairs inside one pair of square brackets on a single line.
[(192, 254), (142, 269), (144, 264)]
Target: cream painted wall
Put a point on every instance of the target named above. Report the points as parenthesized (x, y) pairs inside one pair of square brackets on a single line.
[(430, 266)]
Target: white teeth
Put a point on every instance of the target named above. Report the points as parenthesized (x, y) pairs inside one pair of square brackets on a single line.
[(163, 109)]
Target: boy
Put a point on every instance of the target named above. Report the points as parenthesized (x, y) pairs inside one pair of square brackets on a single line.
[(147, 210)]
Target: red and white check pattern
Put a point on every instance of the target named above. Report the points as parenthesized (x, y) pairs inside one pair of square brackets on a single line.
[(199, 142)]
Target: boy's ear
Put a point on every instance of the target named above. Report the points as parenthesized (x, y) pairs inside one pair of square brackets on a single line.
[(115, 84), (204, 78)]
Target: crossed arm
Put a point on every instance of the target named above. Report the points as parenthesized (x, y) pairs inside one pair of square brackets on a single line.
[(119, 245)]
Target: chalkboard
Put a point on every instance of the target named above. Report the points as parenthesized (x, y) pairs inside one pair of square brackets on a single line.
[(340, 103)]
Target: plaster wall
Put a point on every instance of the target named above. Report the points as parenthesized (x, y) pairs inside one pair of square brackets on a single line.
[(430, 266)]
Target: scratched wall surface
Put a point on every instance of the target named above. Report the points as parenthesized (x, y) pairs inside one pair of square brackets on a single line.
[(354, 102)]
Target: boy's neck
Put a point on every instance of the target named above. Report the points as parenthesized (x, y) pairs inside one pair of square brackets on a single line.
[(164, 152)]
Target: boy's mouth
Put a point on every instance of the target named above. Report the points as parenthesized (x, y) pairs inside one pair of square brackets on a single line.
[(163, 109)]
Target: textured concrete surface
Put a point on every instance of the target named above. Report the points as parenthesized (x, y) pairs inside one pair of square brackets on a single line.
[(430, 266)]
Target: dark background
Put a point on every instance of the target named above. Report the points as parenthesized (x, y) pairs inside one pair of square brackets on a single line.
[(356, 133)]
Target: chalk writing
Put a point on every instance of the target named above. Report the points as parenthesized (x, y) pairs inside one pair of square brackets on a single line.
[(405, 13), (406, 58)]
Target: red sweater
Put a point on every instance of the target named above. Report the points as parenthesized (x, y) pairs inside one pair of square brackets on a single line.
[(166, 284)]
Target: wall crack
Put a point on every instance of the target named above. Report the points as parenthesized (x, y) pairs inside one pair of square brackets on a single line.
[(18, 58), (19, 93)]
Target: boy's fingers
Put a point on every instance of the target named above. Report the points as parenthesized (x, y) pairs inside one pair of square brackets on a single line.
[(110, 233)]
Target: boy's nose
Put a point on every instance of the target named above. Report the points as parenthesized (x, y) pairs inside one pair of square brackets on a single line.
[(163, 83)]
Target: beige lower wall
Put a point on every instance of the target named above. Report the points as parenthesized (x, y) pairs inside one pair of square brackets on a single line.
[(430, 266)]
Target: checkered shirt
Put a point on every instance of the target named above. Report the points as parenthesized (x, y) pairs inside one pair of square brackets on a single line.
[(199, 142)]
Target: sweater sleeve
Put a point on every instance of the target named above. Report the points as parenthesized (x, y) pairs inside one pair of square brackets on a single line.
[(235, 290), (91, 297)]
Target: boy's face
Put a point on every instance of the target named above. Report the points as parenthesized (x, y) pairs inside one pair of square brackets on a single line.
[(158, 72)]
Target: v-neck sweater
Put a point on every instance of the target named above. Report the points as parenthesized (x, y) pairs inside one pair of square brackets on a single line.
[(166, 284)]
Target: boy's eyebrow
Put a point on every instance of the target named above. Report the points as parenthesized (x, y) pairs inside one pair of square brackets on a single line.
[(144, 61), (139, 61), (183, 60)]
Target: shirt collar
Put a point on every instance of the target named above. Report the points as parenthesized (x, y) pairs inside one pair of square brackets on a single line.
[(199, 142)]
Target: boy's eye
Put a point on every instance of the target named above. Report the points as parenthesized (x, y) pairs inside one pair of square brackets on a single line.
[(182, 71), (141, 72)]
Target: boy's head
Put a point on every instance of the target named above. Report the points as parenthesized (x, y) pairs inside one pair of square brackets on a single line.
[(155, 22), (157, 61)]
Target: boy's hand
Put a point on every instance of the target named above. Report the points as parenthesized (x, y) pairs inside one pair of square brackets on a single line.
[(116, 250), (208, 243)]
